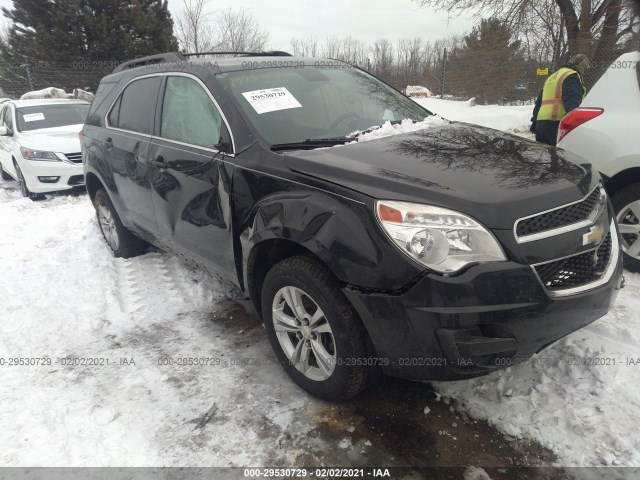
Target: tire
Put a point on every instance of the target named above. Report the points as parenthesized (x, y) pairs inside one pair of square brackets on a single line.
[(626, 203), (23, 187), (339, 337), (4, 175), (119, 239)]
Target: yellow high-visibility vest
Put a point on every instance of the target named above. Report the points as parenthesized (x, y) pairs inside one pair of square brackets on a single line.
[(552, 105)]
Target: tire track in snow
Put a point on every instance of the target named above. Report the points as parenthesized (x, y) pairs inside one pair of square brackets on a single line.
[(147, 282)]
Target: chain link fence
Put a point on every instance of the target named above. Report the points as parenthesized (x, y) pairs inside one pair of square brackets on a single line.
[(487, 77), (20, 77)]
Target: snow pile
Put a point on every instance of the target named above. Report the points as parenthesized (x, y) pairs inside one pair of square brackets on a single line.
[(83, 95), (580, 397), (53, 92), (417, 91), (50, 92), (476, 473), (64, 295), (506, 118), (389, 129)]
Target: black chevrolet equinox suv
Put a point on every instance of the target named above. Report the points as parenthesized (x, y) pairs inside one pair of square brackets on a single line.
[(369, 234)]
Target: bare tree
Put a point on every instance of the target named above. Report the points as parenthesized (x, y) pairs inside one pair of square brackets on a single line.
[(193, 28), (593, 27), (410, 58), (238, 31), (305, 47), (332, 48), (383, 61)]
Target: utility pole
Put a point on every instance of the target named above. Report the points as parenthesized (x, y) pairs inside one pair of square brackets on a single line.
[(29, 79), (444, 73)]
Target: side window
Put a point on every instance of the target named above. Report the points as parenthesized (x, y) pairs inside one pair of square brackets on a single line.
[(7, 118), (136, 106), (189, 115)]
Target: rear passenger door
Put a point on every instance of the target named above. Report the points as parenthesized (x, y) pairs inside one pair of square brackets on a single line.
[(130, 124), (192, 179)]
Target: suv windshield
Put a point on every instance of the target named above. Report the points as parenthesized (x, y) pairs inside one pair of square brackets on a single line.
[(294, 105), (50, 116)]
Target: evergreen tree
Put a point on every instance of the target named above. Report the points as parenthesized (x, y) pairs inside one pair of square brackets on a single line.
[(95, 30), (489, 53)]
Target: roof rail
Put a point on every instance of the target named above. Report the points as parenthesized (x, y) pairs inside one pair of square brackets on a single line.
[(150, 60), (181, 57), (273, 53)]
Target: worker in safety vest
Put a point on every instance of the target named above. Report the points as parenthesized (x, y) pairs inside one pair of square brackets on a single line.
[(563, 91)]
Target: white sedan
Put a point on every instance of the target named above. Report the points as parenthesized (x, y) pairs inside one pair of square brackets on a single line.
[(40, 146), (606, 131)]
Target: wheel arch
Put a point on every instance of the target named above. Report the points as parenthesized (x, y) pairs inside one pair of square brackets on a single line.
[(623, 179), (93, 184), (264, 256)]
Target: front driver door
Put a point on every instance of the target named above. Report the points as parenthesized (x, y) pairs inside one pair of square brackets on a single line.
[(192, 179)]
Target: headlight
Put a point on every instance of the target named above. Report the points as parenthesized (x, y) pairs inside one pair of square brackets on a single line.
[(440, 239), (30, 154)]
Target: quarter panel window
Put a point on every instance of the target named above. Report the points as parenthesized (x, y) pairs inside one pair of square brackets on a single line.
[(189, 115), (136, 106), (115, 113)]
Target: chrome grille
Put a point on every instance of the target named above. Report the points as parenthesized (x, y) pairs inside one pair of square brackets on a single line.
[(74, 157), (577, 270), (560, 217), (583, 271)]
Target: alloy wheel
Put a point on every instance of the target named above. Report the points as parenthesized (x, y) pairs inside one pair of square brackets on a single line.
[(108, 226), (23, 184), (304, 333), (629, 226)]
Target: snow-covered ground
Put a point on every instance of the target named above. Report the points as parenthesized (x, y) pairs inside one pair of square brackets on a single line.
[(63, 295), (516, 119)]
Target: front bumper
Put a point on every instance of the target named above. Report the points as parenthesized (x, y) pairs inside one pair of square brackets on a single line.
[(70, 175), (488, 318)]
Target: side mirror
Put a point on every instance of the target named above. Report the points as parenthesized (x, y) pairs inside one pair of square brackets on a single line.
[(4, 131), (222, 147)]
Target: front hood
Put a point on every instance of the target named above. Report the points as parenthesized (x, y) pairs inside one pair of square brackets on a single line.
[(492, 176), (59, 139)]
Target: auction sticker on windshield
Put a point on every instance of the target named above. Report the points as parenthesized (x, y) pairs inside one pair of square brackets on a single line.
[(33, 117), (271, 100)]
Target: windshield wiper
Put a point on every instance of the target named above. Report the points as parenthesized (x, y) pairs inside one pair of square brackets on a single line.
[(311, 143)]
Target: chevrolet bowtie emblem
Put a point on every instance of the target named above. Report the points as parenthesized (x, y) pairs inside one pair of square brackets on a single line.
[(594, 236)]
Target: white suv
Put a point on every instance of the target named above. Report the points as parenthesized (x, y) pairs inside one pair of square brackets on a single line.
[(39, 144), (606, 131)]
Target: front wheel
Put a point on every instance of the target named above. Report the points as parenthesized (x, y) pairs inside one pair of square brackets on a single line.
[(23, 186), (314, 331), (626, 203), (4, 175), (120, 240)]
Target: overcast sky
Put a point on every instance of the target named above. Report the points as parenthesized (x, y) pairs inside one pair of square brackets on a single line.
[(366, 20)]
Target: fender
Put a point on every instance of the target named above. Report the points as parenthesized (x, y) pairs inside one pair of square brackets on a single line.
[(341, 232)]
